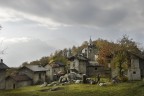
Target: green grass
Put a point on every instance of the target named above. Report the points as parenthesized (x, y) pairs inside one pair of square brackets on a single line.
[(121, 89)]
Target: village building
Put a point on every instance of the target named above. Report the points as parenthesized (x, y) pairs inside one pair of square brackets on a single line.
[(91, 52), (36, 72), (78, 64), (3, 68), (86, 61), (136, 68), (13, 82), (54, 71), (95, 69)]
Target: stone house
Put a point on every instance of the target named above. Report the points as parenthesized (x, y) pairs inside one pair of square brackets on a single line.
[(86, 61), (3, 68), (136, 68), (78, 64), (93, 69), (17, 81), (54, 71), (90, 52), (82, 65), (36, 72)]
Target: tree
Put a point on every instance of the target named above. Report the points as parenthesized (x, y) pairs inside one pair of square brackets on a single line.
[(74, 50), (24, 63), (36, 62), (120, 62), (105, 50), (2, 51), (44, 60), (121, 56), (128, 44)]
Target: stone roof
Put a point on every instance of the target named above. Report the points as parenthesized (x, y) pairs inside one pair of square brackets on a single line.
[(137, 55), (36, 68), (2, 65), (57, 64), (94, 65), (19, 78), (79, 57)]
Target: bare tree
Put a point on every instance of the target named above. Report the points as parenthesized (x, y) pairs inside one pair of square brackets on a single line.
[(2, 50)]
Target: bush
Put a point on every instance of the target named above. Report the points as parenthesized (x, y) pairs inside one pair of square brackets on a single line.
[(123, 78)]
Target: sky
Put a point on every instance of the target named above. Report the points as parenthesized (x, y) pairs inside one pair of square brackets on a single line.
[(36, 28)]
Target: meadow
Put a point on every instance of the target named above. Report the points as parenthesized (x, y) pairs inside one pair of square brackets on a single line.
[(135, 88)]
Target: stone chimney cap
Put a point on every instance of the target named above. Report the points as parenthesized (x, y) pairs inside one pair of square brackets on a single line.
[(1, 60)]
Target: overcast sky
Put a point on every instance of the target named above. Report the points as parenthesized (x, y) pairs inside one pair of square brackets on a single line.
[(35, 28)]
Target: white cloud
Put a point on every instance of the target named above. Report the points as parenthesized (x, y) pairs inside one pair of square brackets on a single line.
[(14, 40), (10, 15), (24, 49), (75, 21), (7, 15)]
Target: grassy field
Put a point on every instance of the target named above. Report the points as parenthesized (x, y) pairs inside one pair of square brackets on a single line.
[(121, 89)]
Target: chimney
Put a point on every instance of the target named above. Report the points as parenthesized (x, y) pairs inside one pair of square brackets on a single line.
[(1, 61)]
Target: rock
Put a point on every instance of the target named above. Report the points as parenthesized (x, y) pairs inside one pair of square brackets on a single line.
[(70, 78), (92, 82), (102, 84), (62, 84), (53, 84), (60, 79), (64, 79), (55, 89), (44, 84), (78, 81), (50, 85)]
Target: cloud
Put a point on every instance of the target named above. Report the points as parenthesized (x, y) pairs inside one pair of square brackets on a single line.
[(25, 49), (124, 14), (68, 12), (74, 20), (6, 15), (15, 40)]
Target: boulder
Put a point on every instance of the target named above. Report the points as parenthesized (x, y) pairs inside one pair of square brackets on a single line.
[(44, 84), (92, 82), (102, 84), (54, 88), (78, 81)]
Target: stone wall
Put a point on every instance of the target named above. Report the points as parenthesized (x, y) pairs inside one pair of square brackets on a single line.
[(82, 67), (27, 72), (134, 74), (75, 64), (52, 71), (49, 74), (2, 79), (37, 77), (94, 71), (12, 84)]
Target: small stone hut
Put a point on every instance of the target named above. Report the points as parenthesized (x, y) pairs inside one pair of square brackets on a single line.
[(13, 82), (3, 68)]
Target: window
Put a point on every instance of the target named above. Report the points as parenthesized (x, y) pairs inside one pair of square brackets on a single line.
[(95, 68), (39, 75), (13, 86), (134, 72)]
